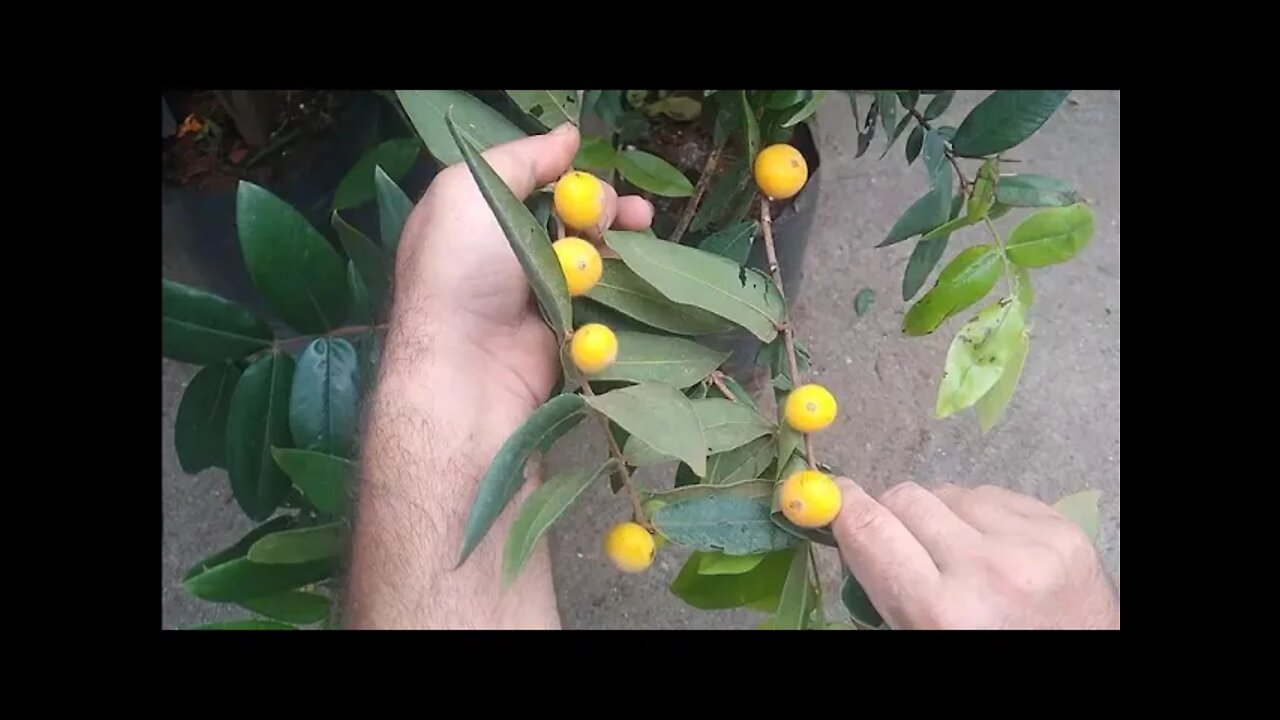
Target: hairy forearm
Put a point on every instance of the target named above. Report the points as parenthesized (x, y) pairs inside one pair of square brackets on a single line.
[(433, 423)]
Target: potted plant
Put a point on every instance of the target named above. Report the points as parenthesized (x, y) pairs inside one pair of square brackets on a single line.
[(733, 175)]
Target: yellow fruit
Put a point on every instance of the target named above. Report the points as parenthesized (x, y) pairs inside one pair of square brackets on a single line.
[(780, 171), (594, 347), (579, 200), (809, 499), (629, 547), (580, 262), (809, 408)]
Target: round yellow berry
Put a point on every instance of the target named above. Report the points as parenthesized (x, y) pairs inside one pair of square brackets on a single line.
[(629, 547), (579, 200), (809, 499), (780, 171), (809, 408), (580, 262), (594, 347)]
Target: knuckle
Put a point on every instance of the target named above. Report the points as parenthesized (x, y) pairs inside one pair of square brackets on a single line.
[(863, 521), (903, 495)]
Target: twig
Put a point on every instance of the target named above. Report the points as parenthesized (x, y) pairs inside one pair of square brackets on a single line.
[(699, 190), (950, 155), (337, 332), (616, 452), (288, 138), (717, 380), (788, 340)]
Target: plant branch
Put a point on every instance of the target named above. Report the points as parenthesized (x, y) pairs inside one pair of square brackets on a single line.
[(964, 183), (699, 190), (1004, 259), (615, 451), (788, 338), (336, 332), (717, 379)]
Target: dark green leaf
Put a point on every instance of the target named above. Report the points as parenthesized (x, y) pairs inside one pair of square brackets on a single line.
[(293, 606), (751, 132), (897, 133), (242, 579), (695, 277), (596, 155), (660, 416), (783, 99), (321, 478), (543, 507), (1050, 236), (366, 256), (806, 110), (926, 255), (909, 98), (788, 440), (914, 142), (964, 281), (1004, 119), (1082, 509), (863, 300), (979, 355), (393, 210), (200, 430), (650, 172), (990, 407), (324, 403), (643, 357), (887, 105), (362, 312), (426, 110), (607, 106), (946, 132), (505, 474), (739, 392), (241, 548), (724, 522), (733, 242), (925, 214), (722, 193), (257, 420), (938, 104), (395, 157), (1029, 190), (868, 128), (295, 269), (199, 327), (744, 463), (749, 489), (728, 118), (822, 535), (725, 425), (676, 107), (298, 546), (245, 625), (762, 585), (935, 156), (716, 563), (586, 311), (998, 210), (796, 601), (551, 108), (527, 238), (858, 604)]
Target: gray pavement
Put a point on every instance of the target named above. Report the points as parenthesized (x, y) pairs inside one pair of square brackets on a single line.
[(1061, 433)]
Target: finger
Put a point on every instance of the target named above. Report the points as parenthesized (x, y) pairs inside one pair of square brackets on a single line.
[(938, 528), (532, 162), (634, 213), (987, 511), (890, 563)]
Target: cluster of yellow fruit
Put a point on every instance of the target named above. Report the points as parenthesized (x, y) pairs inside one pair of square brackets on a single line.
[(579, 203)]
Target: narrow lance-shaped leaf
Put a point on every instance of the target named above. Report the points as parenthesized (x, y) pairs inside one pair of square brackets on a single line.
[(293, 606), (393, 210), (661, 416), (990, 407), (505, 474), (543, 507), (200, 429), (200, 327), (722, 192), (241, 579), (1050, 236), (324, 403), (1082, 509), (938, 104), (887, 104), (241, 547), (926, 255), (394, 156), (365, 255), (925, 214), (806, 110), (734, 525), (362, 312), (643, 357), (650, 172), (979, 355), (551, 108), (915, 141), (906, 121), (258, 419), (426, 110), (1004, 119), (300, 545), (321, 478), (795, 604), (935, 155), (964, 281), (527, 238), (246, 624), (1028, 190), (751, 129)]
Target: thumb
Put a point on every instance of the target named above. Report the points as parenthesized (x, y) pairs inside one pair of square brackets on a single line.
[(531, 162)]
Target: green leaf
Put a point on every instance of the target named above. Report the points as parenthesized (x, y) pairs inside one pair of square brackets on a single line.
[(527, 238), (661, 416), (935, 155), (806, 110), (596, 155), (724, 522), (990, 407), (242, 579), (739, 392), (395, 157), (925, 214), (675, 361), (998, 210), (621, 289), (241, 547), (544, 506), (733, 242), (366, 256), (1022, 285), (858, 604), (938, 104), (788, 440), (728, 118), (964, 281), (1029, 190), (321, 478), (298, 546), (1082, 509), (293, 606), (505, 474), (426, 110), (762, 585), (984, 192), (201, 328), (393, 210), (914, 142), (749, 489), (897, 133), (926, 255), (257, 420), (324, 405), (744, 463), (1004, 119), (732, 182), (822, 535), (863, 300), (725, 425), (948, 227), (251, 624), (295, 269), (887, 104), (362, 312), (979, 355), (650, 172), (695, 277), (717, 563), (1050, 236), (200, 429), (551, 108), (751, 129), (783, 99), (796, 601)]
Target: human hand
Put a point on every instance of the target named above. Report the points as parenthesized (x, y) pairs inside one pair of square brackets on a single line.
[(981, 558), (456, 267)]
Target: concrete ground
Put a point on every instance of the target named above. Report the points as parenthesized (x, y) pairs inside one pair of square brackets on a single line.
[(1060, 435)]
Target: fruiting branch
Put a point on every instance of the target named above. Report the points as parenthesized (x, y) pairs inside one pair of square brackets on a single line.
[(614, 450), (699, 190)]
